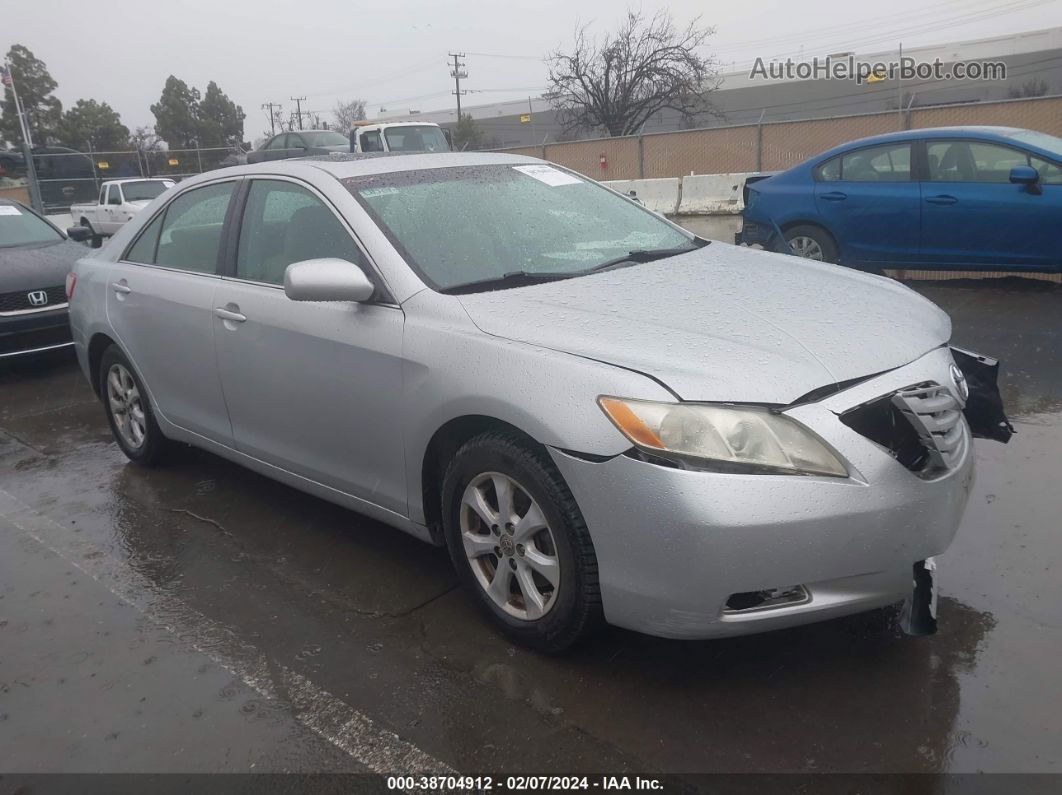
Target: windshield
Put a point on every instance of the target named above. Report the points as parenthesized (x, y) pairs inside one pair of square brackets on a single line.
[(141, 191), (456, 226), (325, 138), (416, 139), (1050, 143), (20, 227)]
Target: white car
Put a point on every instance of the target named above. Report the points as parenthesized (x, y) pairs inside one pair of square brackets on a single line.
[(120, 200)]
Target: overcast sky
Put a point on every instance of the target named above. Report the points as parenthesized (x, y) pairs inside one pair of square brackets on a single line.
[(394, 54)]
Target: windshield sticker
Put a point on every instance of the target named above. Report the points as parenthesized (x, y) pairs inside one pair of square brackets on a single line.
[(7, 209), (372, 193), (548, 175)]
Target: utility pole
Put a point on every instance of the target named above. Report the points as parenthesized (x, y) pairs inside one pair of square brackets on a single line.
[(272, 115), (27, 140), (298, 107), (457, 73)]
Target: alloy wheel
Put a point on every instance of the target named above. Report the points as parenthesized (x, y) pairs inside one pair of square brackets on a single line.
[(806, 247), (126, 406), (509, 546)]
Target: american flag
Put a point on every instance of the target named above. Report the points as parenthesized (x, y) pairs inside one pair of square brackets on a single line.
[(6, 72)]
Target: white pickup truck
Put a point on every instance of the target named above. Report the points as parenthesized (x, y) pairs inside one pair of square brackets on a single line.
[(120, 200), (400, 136)]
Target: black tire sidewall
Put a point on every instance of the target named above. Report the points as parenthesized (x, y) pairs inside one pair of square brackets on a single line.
[(555, 630), (151, 451)]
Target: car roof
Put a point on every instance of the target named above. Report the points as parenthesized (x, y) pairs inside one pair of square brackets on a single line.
[(343, 165), (972, 131)]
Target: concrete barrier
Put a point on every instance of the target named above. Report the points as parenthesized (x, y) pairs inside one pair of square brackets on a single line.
[(659, 195), (712, 194)]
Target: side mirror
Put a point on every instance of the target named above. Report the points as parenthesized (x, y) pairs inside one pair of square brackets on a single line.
[(79, 234), (328, 279), (1024, 175)]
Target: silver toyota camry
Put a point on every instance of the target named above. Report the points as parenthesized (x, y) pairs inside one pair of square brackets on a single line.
[(603, 416)]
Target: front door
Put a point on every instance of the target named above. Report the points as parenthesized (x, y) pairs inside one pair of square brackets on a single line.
[(312, 388), (160, 303), (973, 215), (870, 203)]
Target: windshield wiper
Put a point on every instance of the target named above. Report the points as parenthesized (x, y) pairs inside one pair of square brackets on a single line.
[(648, 255), (511, 279)]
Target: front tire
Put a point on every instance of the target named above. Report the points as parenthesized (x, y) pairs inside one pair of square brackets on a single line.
[(519, 542), (129, 411)]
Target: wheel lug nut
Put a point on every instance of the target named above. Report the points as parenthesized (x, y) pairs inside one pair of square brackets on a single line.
[(509, 528), (512, 564), (520, 550)]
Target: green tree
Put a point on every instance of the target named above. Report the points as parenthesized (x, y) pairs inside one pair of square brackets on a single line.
[(220, 119), (91, 124), (177, 114), (467, 134), (35, 86)]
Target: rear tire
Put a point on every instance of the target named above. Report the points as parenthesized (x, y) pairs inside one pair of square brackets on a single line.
[(811, 242), (129, 410), (539, 586)]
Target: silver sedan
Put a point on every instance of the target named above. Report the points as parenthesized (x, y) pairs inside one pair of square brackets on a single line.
[(604, 417)]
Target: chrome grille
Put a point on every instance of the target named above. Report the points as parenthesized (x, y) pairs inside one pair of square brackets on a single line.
[(936, 416), (19, 301)]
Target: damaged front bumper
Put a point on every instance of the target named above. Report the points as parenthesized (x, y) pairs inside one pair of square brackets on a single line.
[(689, 553)]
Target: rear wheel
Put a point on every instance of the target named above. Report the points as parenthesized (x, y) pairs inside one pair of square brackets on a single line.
[(519, 542), (811, 242), (129, 410)]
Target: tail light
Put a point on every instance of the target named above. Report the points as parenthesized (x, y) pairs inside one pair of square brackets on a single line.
[(71, 283)]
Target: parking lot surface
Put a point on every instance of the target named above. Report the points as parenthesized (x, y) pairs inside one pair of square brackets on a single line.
[(199, 617)]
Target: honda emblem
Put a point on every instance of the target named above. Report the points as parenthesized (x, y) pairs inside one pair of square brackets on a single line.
[(37, 298)]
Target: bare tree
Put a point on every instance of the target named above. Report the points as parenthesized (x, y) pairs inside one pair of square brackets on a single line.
[(620, 81), (346, 113)]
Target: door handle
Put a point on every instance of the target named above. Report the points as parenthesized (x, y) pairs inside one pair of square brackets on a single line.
[(834, 196), (121, 288), (942, 199), (230, 315)]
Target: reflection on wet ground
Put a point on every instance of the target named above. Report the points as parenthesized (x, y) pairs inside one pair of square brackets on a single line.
[(374, 617)]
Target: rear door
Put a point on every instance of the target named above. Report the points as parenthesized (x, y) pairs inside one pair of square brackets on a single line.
[(869, 201), (160, 304), (973, 215), (311, 387)]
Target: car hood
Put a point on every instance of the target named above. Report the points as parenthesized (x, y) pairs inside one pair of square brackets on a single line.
[(34, 267), (724, 323)]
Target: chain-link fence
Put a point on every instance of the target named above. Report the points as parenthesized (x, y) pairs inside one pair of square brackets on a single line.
[(774, 146), (66, 176)]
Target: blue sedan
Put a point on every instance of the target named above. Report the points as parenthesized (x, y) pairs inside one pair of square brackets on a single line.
[(969, 198)]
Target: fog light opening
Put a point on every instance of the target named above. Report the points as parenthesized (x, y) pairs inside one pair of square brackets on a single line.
[(768, 599)]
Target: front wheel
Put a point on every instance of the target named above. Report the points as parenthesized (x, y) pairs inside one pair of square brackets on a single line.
[(519, 542), (129, 411)]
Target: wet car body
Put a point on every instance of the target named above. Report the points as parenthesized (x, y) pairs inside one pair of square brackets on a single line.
[(33, 306), (363, 402)]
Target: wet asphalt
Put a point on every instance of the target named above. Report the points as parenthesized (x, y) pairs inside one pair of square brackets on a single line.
[(201, 618)]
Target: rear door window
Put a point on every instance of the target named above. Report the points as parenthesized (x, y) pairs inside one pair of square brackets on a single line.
[(190, 236), (888, 163)]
